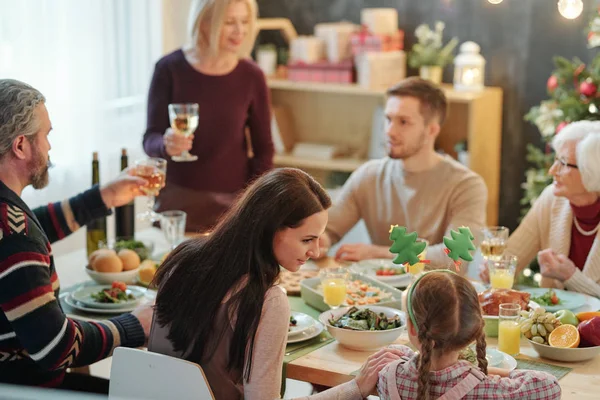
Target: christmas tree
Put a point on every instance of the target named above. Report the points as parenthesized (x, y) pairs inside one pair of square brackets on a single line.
[(573, 91), (405, 245)]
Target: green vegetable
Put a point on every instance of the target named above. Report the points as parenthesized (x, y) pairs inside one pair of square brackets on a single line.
[(135, 245), (547, 299), (365, 320)]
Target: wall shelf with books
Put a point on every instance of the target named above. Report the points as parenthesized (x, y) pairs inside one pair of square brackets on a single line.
[(351, 117)]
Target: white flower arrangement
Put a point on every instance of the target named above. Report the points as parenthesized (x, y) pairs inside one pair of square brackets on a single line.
[(429, 49), (548, 117)]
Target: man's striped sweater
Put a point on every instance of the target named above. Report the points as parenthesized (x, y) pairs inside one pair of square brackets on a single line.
[(37, 341)]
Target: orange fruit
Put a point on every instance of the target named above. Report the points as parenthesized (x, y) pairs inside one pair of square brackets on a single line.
[(584, 316), (566, 336)]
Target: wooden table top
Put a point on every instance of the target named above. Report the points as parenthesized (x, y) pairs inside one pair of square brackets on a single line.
[(332, 364)]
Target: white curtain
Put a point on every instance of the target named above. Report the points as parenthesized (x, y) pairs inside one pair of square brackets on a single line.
[(93, 60)]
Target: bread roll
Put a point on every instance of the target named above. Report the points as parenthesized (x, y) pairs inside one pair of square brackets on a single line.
[(96, 253), (107, 262), (130, 259)]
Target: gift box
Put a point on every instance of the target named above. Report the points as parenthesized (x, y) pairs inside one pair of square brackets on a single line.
[(326, 72), (380, 70), (337, 39), (380, 21), (366, 41), (307, 49)]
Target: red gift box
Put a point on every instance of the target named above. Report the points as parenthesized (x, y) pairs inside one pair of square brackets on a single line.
[(365, 41), (326, 72)]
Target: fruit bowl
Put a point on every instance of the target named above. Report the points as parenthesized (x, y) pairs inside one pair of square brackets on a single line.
[(107, 278), (565, 354), (364, 340)]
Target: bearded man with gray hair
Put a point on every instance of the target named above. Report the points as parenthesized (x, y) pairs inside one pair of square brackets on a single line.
[(562, 228), (37, 341)]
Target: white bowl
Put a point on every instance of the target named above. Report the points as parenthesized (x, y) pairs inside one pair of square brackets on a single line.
[(107, 278), (565, 354), (364, 340)]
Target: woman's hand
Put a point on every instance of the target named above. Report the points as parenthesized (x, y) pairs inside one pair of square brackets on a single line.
[(175, 144), (369, 372), (555, 266)]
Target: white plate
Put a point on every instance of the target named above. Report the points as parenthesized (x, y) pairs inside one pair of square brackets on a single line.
[(369, 268), (78, 306), (507, 362), (303, 323), (313, 332), (84, 295)]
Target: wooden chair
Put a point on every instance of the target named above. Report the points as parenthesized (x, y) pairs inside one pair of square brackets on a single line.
[(140, 374)]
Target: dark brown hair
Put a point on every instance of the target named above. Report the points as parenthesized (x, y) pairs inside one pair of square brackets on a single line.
[(195, 277), (448, 317), (432, 98)]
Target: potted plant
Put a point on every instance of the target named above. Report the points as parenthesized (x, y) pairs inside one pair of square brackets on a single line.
[(428, 54)]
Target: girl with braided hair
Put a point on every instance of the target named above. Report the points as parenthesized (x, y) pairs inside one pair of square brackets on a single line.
[(445, 317)]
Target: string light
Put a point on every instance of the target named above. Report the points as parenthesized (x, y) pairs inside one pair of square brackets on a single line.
[(570, 9)]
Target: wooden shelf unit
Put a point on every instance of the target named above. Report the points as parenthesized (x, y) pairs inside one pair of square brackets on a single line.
[(343, 114)]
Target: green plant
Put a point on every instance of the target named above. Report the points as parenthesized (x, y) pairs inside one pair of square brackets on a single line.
[(574, 96), (428, 51)]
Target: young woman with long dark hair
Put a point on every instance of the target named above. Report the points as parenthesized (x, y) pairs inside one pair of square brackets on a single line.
[(218, 305)]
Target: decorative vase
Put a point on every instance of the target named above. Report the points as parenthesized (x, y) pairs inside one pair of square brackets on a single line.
[(431, 73)]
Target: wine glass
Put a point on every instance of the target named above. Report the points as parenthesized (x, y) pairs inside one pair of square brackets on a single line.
[(333, 281), (153, 170), (184, 121), (493, 242), (172, 224)]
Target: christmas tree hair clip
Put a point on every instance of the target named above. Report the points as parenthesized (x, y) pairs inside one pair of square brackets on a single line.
[(460, 246), (406, 247)]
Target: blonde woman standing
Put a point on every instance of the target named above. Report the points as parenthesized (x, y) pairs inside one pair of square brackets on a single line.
[(232, 95)]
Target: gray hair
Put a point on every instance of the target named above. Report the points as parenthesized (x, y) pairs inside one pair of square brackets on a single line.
[(18, 101), (586, 135)]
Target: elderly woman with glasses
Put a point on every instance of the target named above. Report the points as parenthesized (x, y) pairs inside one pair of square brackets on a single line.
[(562, 226)]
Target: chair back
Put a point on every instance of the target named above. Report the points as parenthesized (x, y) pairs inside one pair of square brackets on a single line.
[(140, 374)]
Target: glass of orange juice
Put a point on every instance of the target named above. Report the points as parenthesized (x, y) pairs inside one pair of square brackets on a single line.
[(509, 331), (502, 271), (333, 281), (418, 268)]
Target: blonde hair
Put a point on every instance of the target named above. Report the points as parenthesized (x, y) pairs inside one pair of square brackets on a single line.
[(212, 12)]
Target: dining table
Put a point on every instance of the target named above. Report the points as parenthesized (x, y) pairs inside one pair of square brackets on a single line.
[(331, 364)]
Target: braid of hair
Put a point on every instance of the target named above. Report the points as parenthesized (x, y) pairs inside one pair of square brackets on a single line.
[(424, 364), (481, 360)]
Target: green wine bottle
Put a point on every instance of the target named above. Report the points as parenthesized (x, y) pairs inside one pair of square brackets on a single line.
[(124, 215), (96, 229)]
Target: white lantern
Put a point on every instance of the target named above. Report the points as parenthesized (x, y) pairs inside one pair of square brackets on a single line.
[(469, 68)]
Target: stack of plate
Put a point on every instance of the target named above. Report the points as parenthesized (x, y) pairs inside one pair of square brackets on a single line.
[(81, 299), (306, 328)]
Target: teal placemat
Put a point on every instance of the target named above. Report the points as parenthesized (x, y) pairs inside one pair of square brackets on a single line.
[(556, 370), (296, 350)]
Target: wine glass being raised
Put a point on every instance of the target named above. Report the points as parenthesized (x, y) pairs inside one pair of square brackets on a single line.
[(154, 171), (493, 242), (184, 121)]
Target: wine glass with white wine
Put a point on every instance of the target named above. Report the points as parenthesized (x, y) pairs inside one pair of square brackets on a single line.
[(493, 243), (184, 121), (154, 171)]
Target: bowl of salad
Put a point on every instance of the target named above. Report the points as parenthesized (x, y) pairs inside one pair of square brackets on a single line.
[(364, 327)]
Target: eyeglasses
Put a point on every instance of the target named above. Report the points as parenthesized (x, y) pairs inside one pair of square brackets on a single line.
[(563, 163)]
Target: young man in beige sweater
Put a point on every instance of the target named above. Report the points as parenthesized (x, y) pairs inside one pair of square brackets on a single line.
[(414, 186)]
